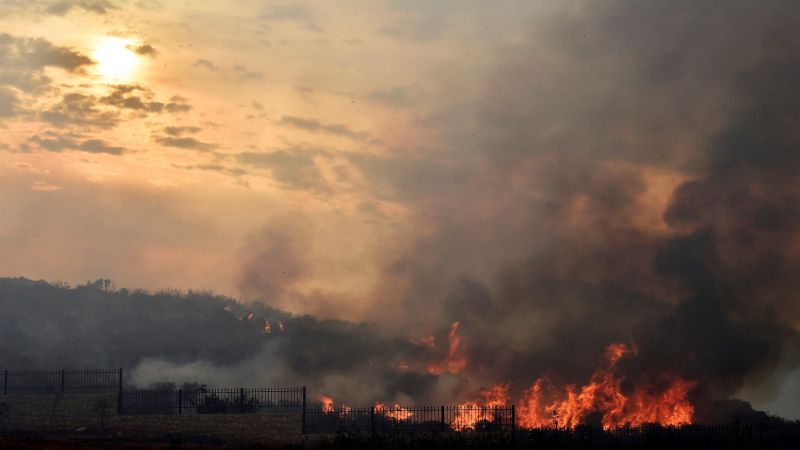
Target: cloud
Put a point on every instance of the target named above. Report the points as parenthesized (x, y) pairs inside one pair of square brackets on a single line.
[(38, 53), (298, 14), (144, 50), (248, 75), (293, 168), (181, 131), (397, 96), (235, 171), (315, 126), (23, 60), (100, 146), (121, 98), (178, 104), (62, 7), (306, 93), (79, 109), (8, 102), (186, 142), (207, 64), (54, 142)]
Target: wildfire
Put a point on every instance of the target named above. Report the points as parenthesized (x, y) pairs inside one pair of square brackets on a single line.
[(456, 359), (327, 406), (267, 327), (397, 412), (280, 326), (470, 413), (251, 316), (327, 403), (603, 396), (661, 400)]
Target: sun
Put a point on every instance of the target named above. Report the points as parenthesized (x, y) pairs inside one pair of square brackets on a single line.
[(115, 59)]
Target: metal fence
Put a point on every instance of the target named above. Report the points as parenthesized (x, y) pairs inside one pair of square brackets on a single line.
[(60, 381), (413, 419), (211, 401)]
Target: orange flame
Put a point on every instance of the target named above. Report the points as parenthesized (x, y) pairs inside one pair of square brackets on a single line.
[(397, 412), (280, 325), (456, 359), (603, 396), (267, 327), (470, 413), (251, 316), (327, 403)]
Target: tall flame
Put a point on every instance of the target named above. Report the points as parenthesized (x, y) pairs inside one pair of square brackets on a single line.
[(456, 359), (603, 396), (470, 413)]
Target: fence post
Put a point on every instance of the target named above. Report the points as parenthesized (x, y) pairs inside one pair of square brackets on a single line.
[(513, 423), (119, 393), (5, 382), (63, 376), (441, 417), (372, 419), (241, 400), (303, 425), (180, 401)]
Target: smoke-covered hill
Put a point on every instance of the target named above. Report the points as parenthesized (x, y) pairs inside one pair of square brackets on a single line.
[(197, 336), (170, 336)]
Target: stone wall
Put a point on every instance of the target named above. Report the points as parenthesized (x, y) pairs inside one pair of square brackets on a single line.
[(98, 412)]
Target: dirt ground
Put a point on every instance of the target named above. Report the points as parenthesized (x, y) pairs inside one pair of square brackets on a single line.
[(64, 442)]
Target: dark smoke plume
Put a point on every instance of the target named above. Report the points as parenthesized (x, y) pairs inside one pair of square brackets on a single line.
[(630, 174)]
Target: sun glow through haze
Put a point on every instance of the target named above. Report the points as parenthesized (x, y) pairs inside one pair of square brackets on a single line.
[(115, 60)]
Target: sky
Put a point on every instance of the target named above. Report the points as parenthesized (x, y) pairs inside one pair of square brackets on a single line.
[(151, 142), (536, 165)]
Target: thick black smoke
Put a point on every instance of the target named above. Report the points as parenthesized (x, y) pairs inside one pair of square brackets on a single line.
[(629, 174)]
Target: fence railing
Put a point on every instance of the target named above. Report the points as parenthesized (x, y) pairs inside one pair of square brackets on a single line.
[(211, 401), (59, 381), (412, 419)]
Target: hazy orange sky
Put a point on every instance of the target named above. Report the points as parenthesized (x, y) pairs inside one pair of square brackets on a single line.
[(149, 141)]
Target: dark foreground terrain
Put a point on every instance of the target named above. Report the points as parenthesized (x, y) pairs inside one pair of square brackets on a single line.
[(357, 442)]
